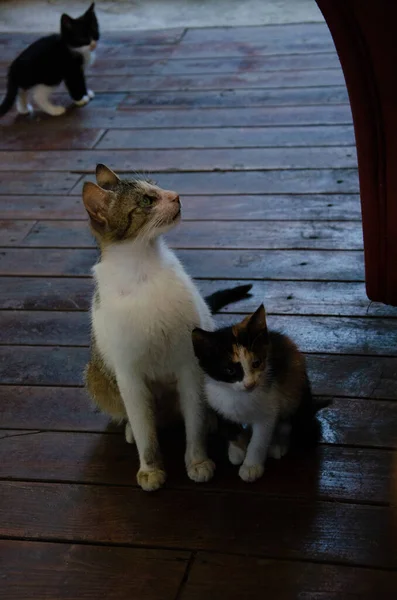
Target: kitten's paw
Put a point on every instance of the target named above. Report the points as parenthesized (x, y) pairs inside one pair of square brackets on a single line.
[(56, 111), (129, 436), (90, 94), (151, 480), (236, 454), (83, 101), (24, 110), (250, 473), (201, 472), (277, 451)]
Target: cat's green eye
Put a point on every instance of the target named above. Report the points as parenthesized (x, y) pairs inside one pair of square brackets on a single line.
[(146, 201), (256, 364), (230, 369)]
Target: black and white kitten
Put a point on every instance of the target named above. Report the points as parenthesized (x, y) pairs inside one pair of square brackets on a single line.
[(50, 60), (257, 378)]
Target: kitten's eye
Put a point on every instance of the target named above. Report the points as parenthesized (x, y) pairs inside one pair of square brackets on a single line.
[(230, 369), (146, 201), (256, 364)]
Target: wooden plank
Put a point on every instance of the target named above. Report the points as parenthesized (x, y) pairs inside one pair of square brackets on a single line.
[(340, 335), (142, 66), (326, 531), (31, 570), (69, 409), (346, 474), (39, 182), (242, 64), (331, 374), (214, 576), (234, 159), (271, 235), (227, 137), (204, 264), (258, 34), (295, 298), (137, 118), (331, 181), (310, 207), (239, 98), (13, 232), (32, 138), (246, 80), (50, 408), (346, 422)]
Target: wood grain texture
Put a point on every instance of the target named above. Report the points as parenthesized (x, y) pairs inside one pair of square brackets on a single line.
[(326, 531), (347, 474), (268, 235), (228, 137), (312, 334), (243, 159), (49, 408), (80, 572), (224, 576), (30, 138), (331, 374), (214, 264), (294, 298), (238, 98), (331, 181), (314, 207), (327, 114), (37, 182)]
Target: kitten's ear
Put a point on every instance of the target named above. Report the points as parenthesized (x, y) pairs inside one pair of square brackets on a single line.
[(202, 342), (257, 322), (91, 8), (66, 22), (96, 201), (105, 176)]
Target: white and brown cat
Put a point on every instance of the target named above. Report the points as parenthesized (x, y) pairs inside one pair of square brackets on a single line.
[(142, 367), (257, 378)]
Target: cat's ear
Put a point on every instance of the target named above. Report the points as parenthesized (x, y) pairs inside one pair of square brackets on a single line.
[(202, 342), (257, 323), (66, 22), (96, 202), (105, 176), (91, 8)]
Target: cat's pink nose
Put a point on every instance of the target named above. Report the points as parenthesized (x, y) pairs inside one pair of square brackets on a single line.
[(249, 385), (172, 196), (93, 45)]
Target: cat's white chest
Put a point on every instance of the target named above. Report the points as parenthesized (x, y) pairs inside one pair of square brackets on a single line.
[(233, 405)]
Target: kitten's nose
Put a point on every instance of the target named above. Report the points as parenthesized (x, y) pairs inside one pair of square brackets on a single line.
[(93, 45), (249, 385), (172, 197)]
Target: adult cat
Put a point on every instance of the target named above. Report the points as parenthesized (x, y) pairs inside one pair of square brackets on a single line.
[(144, 310), (50, 60)]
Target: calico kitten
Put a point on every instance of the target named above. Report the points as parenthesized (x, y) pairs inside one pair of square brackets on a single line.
[(142, 364), (49, 61), (258, 378)]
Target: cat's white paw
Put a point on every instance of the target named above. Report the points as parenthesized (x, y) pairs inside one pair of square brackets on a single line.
[(84, 100), (151, 480), (277, 451), (129, 436), (90, 94), (250, 473), (236, 454), (201, 472), (24, 109), (55, 111)]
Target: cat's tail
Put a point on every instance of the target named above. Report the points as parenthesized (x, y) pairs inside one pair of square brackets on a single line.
[(12, 91), (306, 427), (222, 298)]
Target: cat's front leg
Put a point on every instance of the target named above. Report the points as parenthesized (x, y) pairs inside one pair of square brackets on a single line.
[(77, 88), (140, 409), (190, 387), (254, 462)]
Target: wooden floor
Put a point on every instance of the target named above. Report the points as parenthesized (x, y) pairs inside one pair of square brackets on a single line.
[(252, 126)]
